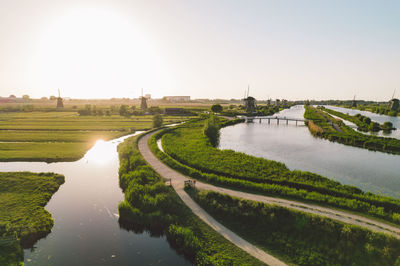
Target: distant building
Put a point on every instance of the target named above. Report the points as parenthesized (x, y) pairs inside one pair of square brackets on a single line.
[(177, 98), (147, 96)]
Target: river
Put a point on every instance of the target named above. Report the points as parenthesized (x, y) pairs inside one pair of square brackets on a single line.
[(85, 211), (293, 145)]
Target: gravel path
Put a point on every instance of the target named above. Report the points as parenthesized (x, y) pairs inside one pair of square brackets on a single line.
[(177, 181)]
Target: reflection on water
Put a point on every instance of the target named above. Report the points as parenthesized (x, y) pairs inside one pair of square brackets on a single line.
[(85, 211), (298, 149)]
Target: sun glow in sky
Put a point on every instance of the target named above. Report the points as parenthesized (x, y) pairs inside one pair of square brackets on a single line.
[(205, 49)]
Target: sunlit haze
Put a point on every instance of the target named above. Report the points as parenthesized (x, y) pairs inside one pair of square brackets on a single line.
[(205, 49)]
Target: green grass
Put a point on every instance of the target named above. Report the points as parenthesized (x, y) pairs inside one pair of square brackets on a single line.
[(150, 205), (63, 136), (23, 196), (43, 152), (300, 238), (189, 151)]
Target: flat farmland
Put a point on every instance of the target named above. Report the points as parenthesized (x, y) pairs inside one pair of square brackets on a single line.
[(63, 136)]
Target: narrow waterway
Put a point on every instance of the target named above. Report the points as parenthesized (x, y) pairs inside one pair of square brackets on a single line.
[(85, 212), (294, 145), (376, 118)]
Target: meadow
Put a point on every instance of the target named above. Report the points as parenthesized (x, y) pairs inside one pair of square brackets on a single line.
[(62, 136), (297, 237), (189, 151), (152, 206), (23, 218)]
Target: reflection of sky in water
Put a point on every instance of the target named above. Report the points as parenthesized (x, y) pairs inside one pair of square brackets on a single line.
[(85, 211), (298, 149), (100, 153)]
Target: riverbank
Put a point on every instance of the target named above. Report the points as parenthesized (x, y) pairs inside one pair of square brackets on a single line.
[(194, 156), (268, 242), (23, 219), (150, 205)]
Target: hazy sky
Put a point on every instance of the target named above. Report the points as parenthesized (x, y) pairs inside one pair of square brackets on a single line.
[(205, 48)]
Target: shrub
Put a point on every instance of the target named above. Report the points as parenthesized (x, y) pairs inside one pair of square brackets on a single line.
[(157, 120)]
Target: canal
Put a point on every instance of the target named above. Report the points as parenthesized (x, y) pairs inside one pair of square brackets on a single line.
[(85, 212), (294, 145)]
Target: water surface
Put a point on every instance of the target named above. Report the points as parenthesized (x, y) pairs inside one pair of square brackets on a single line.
[(85, 211), (294, 145)]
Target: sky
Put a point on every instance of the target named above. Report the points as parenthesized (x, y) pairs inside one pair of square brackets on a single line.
[(299, 49)]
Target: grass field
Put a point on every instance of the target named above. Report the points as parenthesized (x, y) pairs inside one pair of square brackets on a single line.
[(23, 196), (62, 136)]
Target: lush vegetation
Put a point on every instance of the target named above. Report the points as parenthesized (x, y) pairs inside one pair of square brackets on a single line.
[(157, 120), (62, 136), (325, 126), (211, 130), (216, 108), (189, 151), (298, 237), (150, 205), (23, 219), (374, 107)]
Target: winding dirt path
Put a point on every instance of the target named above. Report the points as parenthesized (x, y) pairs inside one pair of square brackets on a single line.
[(177, 180)]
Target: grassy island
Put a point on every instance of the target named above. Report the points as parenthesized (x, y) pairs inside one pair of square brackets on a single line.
[(152, 206), (189, 151), (323, 125), (23, 218)]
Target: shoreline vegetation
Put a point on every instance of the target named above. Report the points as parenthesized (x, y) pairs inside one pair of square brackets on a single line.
[(188, 151), (152, 206), (55, 136), (299, 238), (321, 124), (377, 108), (23, 218), (363, 123)]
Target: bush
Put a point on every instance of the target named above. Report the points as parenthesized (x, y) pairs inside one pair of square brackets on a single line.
[(216, 108), (211, 130), (157, 120)]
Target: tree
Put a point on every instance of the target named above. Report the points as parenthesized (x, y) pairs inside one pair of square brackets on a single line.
[(123, 110), (211, 130), (157, 120), (387, 126), (374, 127), (216, 108)]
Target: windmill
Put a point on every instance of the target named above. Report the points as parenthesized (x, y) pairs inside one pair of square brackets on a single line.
[(354, 102), (143, 102), (249, 102), (394, 103), (60, 103)]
